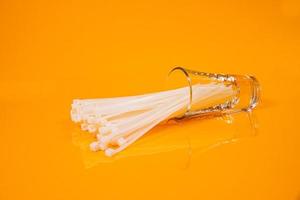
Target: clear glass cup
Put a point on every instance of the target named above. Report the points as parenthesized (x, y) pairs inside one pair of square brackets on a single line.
[(245, 97)]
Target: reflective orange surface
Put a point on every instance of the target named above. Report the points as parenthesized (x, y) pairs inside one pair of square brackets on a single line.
[(52, 52)]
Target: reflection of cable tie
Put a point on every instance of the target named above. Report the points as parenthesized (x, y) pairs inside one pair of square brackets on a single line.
[(119, 122)]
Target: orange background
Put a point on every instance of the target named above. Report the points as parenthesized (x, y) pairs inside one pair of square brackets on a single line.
[(54, 51)]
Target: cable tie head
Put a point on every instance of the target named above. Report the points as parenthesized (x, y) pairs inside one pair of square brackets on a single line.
[(91, 128), (94, 146), (109, 152), (84, 126)]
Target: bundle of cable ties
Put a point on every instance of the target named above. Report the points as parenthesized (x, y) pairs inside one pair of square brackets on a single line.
[(119, 122)]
